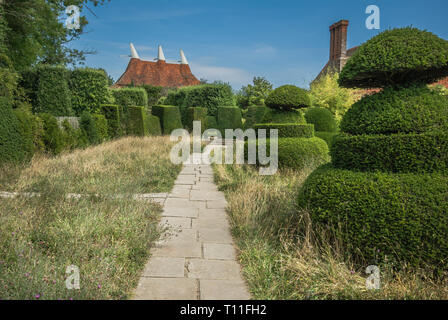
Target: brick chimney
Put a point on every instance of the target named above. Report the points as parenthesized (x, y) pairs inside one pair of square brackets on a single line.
[(338, 44)]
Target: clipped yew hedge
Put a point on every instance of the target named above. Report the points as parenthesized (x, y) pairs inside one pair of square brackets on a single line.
[(153, 124), (281, 116), (322, 119), (424, 152), (196, 114), (137, 123), (128, 97), (254, 115), (169, 116), (113, 115), (11, 141), (288, 97), (403, 217), (288, 130), (229, 117)]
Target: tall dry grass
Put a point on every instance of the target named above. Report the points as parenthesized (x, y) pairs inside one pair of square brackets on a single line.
[(285, 257)]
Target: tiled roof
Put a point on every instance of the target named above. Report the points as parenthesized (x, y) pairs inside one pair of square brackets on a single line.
[(158, 73)]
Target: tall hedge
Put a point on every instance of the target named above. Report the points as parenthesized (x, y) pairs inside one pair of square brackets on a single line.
[(11, 140), (196, 114), (88, 125), (53, 94), (254, 115), (113, 115), (229, 118), (169, 116), (127, 97), (102, 127), (53, 136), (153, 124), (154, 94), (89, 88), (137, 121)]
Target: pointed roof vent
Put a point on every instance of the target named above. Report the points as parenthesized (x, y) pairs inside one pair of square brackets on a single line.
[(134, 53), (161, 56), (182, 57)]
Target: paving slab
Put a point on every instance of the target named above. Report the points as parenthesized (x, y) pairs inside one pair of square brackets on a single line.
[(223, 290), (167, 289), (219, 251), (215, 235), (165, 267), (176, 222), (217, 204), (213, 269)]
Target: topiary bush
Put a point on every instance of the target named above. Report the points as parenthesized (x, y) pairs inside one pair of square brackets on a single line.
[(169, 116), (280, 116), (12, 143), (254, 115), (28, 128), (399, 216), (89, 89), (229, 118), (415, 109), (88, 126), (70, 136), (128, 97), (298, 153), (210, 123), (53, 95), (423, 152), (113, 115), (137, 121), (288, 130), (196, 114), (153, 124), (328, 137), (397, 57), (322, 119), (101, 126), (288, 97), (53, 137)]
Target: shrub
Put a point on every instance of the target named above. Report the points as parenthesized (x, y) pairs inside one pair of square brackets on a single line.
[(113, 116), (11, 141), (27, 128), (280, 116), (286, 130), (153, 124), (154, 93), (53, 137), (137, 121), (196, 114), (128, 97), (322, 119), (398, 56), (299, 153), (415, 109), (102, 127), (53, 95), (9, 79), (69, 135), (328, 137), (88, 126), (169, 118), (89, 88), (229, 118), (211, 123), (288, 97), (424, 152), (402, 216), (254, 115)]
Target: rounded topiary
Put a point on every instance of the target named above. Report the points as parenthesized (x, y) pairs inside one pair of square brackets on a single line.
[(375, 214), (414, 109), (322, 119), (288, 97), (287, 130), (397, 57), (282, 116)]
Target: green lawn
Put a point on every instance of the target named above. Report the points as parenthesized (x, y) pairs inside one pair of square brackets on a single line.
[(108, 239)]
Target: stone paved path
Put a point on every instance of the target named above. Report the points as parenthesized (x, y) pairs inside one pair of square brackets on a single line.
[(198, 261)]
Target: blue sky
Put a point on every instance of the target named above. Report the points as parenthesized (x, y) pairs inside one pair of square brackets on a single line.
[(285, 41)]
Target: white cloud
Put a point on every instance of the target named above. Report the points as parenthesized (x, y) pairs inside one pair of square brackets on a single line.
[(236, 77), (265, 50)]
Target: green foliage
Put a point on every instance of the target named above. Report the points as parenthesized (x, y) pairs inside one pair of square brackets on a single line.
[(128, 97), (88, 126), (53, 95), (11, 141), (397, 57), (288, 97), (113, 117), (209, 96), (255, 94), (281, 116), (325, 92), (196, 114), (154, 94), (322, 119), (211, 123), (53, 137), (31, 131), (401, 216), (298, 153), (169, 116), (254, 115), (414, 109), (89, 88), (137, 125), (102, 127), (328, 137), (153, 124), (71, 138), (424, 152), (229, 118), (9, 79), (288, 130)]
